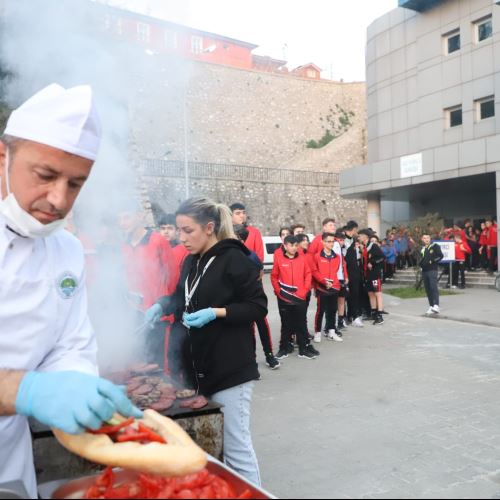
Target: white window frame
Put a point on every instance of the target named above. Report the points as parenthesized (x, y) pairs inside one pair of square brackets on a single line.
[(446, 38), (171, 40), (479, 23), (196, 44), (143, 32), (311, 73), (478, 104), (448, 112)]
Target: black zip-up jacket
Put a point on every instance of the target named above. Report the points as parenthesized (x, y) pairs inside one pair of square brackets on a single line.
[(353, 264), (376, 258), (220, 355), (431, 257)]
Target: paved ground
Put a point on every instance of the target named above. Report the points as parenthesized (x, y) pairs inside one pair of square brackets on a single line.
[(410, 409)]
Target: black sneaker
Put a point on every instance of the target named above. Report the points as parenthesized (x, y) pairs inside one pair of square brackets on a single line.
[(291, 348), (384, 312), (312, 350), (282, 354), (305, 354), (341, 325), (272, 362), (338, 332), (379, 320)]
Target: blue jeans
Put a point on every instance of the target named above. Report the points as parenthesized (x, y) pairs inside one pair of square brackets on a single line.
[(239, 453)]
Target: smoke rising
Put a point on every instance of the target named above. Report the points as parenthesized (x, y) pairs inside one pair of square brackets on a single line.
[(65, 42)]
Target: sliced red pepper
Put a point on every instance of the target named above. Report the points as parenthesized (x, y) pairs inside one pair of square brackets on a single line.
[(138, 436), (153, 436), (246, 495), (107, 479), (113, 429)]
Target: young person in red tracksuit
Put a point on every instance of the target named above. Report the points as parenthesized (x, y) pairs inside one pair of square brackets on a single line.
[(150, 273), (329, 226), (292, 280), (325, 269), (462, 250), (483, 246), (492, 245), (254, 242)]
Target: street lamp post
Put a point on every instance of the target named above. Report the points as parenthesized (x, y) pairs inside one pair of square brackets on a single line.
[(208, 50)]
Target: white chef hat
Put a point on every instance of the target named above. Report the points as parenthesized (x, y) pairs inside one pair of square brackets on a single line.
[(64, 119)]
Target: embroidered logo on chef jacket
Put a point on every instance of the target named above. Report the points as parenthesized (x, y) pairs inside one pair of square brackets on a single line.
[(67, 285)]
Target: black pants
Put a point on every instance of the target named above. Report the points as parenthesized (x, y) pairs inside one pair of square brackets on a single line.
[(327, 306), (293, 322), (353, 300), (459, 268), (431, 287), (265, 336), (494, 260)]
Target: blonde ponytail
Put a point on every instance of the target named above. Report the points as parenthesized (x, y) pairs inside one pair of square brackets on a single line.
[(226, 230), (204, 211)]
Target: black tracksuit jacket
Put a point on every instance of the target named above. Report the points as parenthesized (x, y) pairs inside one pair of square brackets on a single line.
[(220, 355), (431, 257)]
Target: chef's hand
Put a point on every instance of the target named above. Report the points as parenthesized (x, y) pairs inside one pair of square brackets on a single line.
[(200, 319), (154, 314), (72, 401)]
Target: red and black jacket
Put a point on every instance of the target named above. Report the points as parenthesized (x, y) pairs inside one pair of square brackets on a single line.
[(493, 236), (325, 270), (291, 278), (461, 253), (254, 242)]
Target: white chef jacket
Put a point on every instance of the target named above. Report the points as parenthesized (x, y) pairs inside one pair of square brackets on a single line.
[(44, 326)]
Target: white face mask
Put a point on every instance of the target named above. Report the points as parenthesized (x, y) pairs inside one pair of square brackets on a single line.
[(18, 219)]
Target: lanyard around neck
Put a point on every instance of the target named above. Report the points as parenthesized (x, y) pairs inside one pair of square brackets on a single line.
[(190, 293)]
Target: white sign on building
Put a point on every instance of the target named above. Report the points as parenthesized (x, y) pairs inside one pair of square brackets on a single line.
[(412, 166)]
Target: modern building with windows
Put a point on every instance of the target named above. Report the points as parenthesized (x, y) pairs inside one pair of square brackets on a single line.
[(433, 82)]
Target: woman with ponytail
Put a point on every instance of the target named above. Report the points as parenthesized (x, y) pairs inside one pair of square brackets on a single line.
[(218, 300)]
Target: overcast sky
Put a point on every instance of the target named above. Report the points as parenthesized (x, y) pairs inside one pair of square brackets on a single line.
[(330, 33)]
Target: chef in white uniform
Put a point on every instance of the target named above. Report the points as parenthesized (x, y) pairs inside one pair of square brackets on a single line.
[(48, 367)]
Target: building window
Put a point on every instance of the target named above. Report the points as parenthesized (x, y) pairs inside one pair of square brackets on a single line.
[(171, 40), (119, 27), (454, 117), (143, 32), (196, 44), (484, 29), (311, 73), (485, 108), (452, 42)]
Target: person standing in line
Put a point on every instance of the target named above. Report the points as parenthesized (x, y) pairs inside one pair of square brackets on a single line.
[(390, 256), (432, 255), (262, 324), (254, 242), (353, 262), (298, 229), (292, 280), (304, 243), (483, 244), (168, 229), (492, 227), (325, 269), (217, 301), (329, 226), (462, 250), (338, 248), (374, 274)]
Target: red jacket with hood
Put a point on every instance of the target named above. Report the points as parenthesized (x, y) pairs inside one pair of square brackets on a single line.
[(254, 242), (326, 269)]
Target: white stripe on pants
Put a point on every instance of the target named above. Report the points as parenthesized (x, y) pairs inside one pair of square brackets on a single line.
[(239, 453)]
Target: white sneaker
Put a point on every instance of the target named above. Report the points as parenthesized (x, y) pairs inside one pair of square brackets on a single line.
[(430, 311), (436, 309), (317, 338), (358, 323), (333, 336)]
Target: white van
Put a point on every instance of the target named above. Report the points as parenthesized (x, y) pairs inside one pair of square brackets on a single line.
[(271, 244)]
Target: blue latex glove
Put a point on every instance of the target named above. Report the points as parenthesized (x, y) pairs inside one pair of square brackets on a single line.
[(154, 314), (72, 401), (200, 319)]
